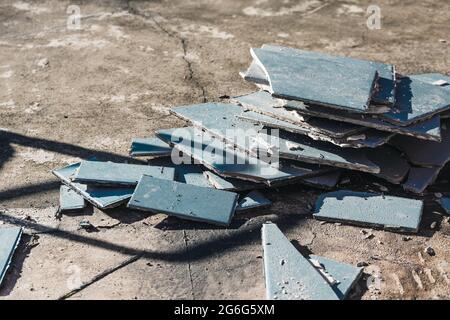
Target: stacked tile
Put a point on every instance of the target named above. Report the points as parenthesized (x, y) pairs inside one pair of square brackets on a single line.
[(354, 104)]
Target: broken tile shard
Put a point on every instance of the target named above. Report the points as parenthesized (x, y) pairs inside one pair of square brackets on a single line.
[(436, 79), (184, 201), (316, 80), (252, 200), (428, 129), (419, 178), (9, 240), (416, 100), (191, 174), (289, 275), (425, 153), (149, 147), (230, 184), (445, 204), (103, 197), (385, 90), (220, 120), (370, 209), (345, 274), (70, 200), (229, 162), (110, 173)]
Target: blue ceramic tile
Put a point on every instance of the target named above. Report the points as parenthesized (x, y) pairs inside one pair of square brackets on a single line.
[(9, 240), (191, 174), (426, 153), (437, 79), (99, 196), (419, 178), (367, 138), (149, 147), (252, 200), (428, 129), (370, 209), (289, 275), (229, 162), (417, 100), (445, 203), (231, 184), (345, 274), (184, 201), (316, 80), (220, 120), (110, 173), (70, 200), (386, 72)]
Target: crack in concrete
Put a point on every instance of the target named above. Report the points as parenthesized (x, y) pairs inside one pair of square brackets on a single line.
[(189, 264), (102, 275), (184, 46)]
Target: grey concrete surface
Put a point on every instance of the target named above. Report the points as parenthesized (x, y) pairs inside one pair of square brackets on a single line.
[(67, 95)]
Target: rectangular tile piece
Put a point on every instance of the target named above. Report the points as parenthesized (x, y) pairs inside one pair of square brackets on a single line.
[(191, 174), (9, 240), (385, 93), (437, 79), (428, 129), (184, 201), (325, 181), (417, 100), (232, 163), (370, 209), (313, 79), (426, 153), (345, 274), (419, 178), (110, 173), (289, 275), (252, 200), (70, 200), (103, 197), (153, 147), (220, 120)]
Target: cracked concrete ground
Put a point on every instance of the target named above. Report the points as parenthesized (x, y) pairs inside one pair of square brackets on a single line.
[(72, 94)]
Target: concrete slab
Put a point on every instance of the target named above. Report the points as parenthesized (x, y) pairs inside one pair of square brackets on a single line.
[(316, 80), (230, 162), (415, 101), (370, 209), (220, 120), (102, 197), (119, 174), (70, 200), (426, 153), (289, 275), (184, 201), (385, 90), (429, 129), (152, 147), (345, 274), (419, 178), (9, 240), (252, 200)]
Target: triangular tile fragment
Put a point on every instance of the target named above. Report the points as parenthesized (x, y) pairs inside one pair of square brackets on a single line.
[(9, 240)]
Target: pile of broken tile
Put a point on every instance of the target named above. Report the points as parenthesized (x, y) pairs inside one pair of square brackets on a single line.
[(314, 118)]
